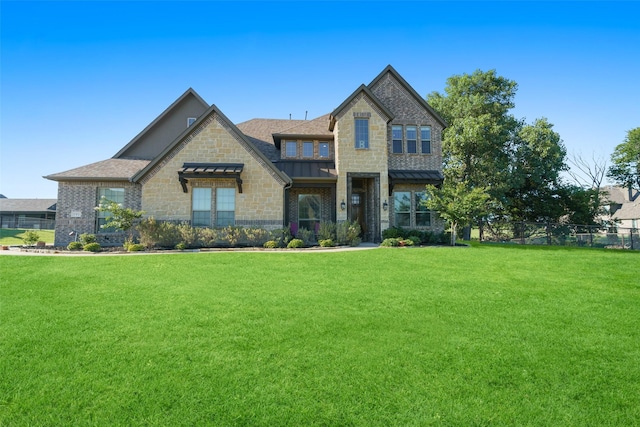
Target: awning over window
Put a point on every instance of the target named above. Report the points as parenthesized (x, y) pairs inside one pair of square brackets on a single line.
[(414, 177), (210, 170)]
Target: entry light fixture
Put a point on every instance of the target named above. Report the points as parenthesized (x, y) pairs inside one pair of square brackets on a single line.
[(343, 205), (385, 205)]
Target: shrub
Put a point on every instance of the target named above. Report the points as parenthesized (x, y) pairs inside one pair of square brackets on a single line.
[(181, 246), (232, 235), (327, 243), (348, 233), (189, 235), (271, 244), (86, 238), (135, 247), (30, 237), (256, 236), (393, 233), (390, 242), (306, 236), (74, 246), (327, 231), (415, 240), (295, 243), (406, 242), (92, 247), (282, 236)]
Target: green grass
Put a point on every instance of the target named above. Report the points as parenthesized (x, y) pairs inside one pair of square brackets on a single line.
[(485, 335), (13, 236)]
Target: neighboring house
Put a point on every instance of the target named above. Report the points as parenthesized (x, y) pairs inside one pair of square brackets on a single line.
[(27, 213), (366, 161), (623, 207)]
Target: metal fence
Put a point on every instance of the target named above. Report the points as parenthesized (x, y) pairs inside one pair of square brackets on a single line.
[(29, 223), (555, 234)]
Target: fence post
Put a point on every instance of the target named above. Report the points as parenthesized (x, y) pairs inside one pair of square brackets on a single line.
[(631, 233), (591, 237)]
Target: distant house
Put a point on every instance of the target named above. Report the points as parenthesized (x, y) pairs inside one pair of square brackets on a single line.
[(366, 161), (27, 213), (623, 207)]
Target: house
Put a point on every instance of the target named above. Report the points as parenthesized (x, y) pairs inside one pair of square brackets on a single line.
[(27, 213), (367, 161), (623, 207)]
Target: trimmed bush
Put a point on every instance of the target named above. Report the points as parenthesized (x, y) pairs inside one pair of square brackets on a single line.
[(295, 243), (327, 243), (74, 246), (390, 242), (92, 247), (181, 246), (136, 247), (271, 244), (87, 238)]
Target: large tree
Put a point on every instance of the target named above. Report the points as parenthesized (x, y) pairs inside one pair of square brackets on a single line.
[(538, 157), (476, 142), (625, 161)]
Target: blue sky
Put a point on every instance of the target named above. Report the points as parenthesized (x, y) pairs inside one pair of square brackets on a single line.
[(80, 79)]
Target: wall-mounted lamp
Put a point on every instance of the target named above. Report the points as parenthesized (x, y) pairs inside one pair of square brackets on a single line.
[(343, 205), (74, 233), (385, 205)]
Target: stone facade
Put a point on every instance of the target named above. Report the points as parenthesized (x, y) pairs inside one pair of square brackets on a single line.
[(262, 197), (75, 211)]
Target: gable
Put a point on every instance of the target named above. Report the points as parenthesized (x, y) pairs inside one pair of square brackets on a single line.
[(402, 100), (217, 127), (165, 128)]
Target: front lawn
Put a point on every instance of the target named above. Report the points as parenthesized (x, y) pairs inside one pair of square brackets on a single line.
[(484, 335), (13, 236)]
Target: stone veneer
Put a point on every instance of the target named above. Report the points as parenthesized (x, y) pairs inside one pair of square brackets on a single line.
[(372, 160), (260, 203), (75, 210)]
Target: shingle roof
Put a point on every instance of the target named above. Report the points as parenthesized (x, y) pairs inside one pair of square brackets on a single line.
[(261, 132), (629, 210), (27, 205), (110, 169)]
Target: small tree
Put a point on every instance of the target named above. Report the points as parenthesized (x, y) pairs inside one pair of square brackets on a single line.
[(118, 217), (30, 237), (457, 203)]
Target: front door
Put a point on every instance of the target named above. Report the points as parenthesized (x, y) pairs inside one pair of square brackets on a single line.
[(358, 212)]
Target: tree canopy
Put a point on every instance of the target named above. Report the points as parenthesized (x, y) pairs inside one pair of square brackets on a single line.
[(625, 161), (486, 147)]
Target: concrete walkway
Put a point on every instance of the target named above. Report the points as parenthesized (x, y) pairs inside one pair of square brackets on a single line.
[(16, 250)]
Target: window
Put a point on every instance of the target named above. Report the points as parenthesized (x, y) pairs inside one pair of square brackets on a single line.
[(323, 150), (291, 149), (362, 133), (396, 138), (402, 208), (190, 121), (201, 207), (225, 207), (425, 139), (423, 215), (309, 208), (412, 139), (307, 149), (108, 195)]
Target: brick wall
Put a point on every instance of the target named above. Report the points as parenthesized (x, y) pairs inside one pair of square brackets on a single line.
[(407, 111), (75, 210)]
